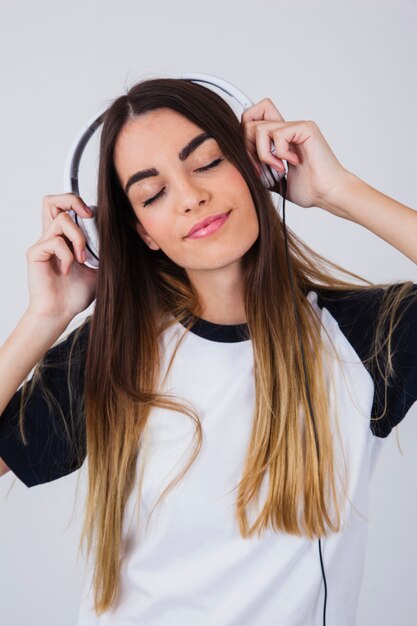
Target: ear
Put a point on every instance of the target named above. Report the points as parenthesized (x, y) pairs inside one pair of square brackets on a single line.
[(146, 238)]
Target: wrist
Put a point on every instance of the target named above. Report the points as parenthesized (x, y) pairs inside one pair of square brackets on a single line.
[(46, 325), (338, 198)]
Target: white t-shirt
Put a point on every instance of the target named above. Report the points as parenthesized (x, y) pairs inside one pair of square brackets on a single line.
[(189, 566)]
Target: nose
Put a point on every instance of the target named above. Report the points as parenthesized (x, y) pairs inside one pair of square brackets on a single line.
[(190, 192)]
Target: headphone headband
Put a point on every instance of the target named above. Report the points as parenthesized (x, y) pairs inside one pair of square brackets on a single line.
[(72, 163)]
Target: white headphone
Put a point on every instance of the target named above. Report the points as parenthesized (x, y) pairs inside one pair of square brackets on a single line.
[(269, 176)]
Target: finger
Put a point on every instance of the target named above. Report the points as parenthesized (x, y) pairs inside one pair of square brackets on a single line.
[(263, 150), (297, 127), (263, 110), (290, 134), (289, 139), (250, 131), (64, 225), (43, 251), (55, 204)]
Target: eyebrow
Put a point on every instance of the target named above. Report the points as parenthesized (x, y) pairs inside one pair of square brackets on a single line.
[(183, 154)]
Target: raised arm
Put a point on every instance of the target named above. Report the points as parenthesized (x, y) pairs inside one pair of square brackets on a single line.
[(60, 287)]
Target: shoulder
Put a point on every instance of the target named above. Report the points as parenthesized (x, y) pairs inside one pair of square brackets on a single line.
[(358, 310), (392, 310), (53, 415)]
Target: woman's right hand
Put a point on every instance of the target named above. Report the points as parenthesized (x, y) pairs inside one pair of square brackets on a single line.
[(60, 285)]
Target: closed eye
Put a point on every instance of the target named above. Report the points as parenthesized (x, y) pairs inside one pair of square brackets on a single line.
[(207, 167), (200, 169)]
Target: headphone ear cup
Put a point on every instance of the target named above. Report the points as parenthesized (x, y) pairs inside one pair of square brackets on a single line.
[(88, 227), (270, 177), (92, 247)]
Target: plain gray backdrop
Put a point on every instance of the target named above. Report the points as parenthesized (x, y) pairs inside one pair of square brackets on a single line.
[(348, 66)]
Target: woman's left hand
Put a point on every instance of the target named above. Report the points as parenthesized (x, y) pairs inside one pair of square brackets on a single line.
[(313, 169)]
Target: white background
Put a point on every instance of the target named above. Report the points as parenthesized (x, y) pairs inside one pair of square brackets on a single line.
[(348, 66)]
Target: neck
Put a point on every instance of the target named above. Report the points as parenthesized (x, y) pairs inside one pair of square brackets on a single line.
[(220, 292)]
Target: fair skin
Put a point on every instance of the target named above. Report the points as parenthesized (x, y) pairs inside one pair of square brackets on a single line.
[(315, 178), (213, 263)]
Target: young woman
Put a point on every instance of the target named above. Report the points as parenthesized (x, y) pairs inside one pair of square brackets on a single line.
[(212, 472)]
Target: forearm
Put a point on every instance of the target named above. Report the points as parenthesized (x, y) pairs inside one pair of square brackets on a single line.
[(355, 200)]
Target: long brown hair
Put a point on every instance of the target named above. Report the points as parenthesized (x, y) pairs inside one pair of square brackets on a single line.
[(140, 292)]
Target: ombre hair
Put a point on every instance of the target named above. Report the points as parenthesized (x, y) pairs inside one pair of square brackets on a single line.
[(141, 292)]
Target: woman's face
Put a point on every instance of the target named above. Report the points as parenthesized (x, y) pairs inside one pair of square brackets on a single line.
[(185, 193)]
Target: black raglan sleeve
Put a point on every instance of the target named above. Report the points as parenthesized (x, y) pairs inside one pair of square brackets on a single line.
[(356, 313), (54, 423)]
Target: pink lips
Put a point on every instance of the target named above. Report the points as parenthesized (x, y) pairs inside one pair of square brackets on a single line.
[(210, 228)]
